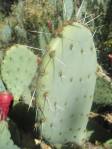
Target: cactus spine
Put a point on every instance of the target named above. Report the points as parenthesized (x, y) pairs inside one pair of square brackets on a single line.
[(18, 69), (66, 84)]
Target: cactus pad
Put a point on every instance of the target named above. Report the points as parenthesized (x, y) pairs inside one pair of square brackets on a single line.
[(18, 69), (66, 86)]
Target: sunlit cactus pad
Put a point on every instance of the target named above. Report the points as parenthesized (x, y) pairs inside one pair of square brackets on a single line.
[(18, 69), (66, 86)]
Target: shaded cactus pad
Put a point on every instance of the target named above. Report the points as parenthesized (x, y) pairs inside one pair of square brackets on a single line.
[(18, 69)]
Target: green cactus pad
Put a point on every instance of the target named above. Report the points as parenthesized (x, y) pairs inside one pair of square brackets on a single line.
[(66, 84), (18, 69)]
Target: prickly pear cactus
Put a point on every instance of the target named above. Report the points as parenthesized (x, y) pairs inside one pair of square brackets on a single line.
[(18, 69), (66, 84)]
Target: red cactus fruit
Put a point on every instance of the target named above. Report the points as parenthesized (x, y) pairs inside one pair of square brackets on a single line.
[(5, 100), (110, 57)]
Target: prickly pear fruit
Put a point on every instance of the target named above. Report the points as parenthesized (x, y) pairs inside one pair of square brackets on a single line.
[(18, 69), (66, 84), (5, 100)]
